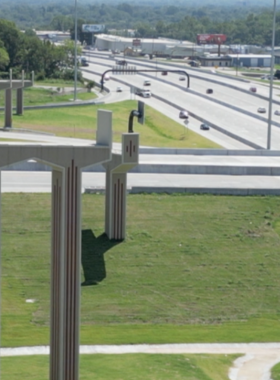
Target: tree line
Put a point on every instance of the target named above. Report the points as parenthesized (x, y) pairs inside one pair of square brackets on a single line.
[(25, 51), (255, 29), (22, 50), (148, 17)]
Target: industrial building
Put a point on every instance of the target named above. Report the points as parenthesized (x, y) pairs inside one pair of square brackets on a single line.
[(161, 47), (250, 60), (53, 36)]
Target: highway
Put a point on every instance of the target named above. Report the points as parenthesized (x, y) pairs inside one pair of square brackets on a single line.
[(40, 182), (165, 178), (243, 121)]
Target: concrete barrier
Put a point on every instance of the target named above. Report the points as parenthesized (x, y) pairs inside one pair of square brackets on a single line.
[(167, 168), (210, 152)]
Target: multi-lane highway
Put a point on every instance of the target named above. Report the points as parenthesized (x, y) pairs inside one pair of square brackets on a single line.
[(231, 106), (170, 88)]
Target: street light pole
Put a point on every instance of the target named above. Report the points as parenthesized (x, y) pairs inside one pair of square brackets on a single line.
[(271, 79), (75, 54)]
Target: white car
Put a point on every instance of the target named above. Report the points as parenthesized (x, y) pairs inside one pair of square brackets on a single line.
[(261, 110), (119, 89), (183, 114), (182, 78)]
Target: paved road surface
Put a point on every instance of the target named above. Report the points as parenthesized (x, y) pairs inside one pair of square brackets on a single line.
[(233, 121), (40, 182)]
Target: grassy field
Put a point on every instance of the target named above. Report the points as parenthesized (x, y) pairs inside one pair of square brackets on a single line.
[(126, 367), (192, 269), (37, 96), (275, 372), (80, 122)]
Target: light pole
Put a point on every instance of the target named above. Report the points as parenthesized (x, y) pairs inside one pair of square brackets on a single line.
[(237, 64), (75, 54), (271, 79)]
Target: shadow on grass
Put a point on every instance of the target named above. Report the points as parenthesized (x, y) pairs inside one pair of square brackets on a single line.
[(93, 250)]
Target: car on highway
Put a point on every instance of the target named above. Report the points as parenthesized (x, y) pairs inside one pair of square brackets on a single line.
[(267, 77), (183, 114), (253, 89), (182, 78), (146, 82), (119, 89), (209, 91), (164, 73), (121, 62), (106, 77), (204, 127), (194, 63), (277, 112), (262, 110)]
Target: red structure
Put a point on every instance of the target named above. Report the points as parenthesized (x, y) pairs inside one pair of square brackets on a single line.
[(136, 42), (215, 39)]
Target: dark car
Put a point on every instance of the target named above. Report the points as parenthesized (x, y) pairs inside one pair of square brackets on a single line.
[(164, 73), (204, 127), (121, 62), (209, 91)]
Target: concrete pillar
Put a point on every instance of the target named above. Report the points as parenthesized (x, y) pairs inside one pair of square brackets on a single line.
[(8, 108), (65, 281), (20, 101), (116, 186), (115, 205)]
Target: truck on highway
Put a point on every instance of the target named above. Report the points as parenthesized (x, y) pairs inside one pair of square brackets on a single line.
[(144, 92)]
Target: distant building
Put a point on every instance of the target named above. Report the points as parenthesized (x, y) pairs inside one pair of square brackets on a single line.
[(164, 47), (251, 60), (214, 60), (54, 36), (230, 55)]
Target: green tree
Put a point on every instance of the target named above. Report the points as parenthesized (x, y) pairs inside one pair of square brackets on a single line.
[(11, 38), (30, 33), (4, 57), (62, 23)]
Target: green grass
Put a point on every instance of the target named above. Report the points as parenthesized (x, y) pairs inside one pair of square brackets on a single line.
[(38, 96), (57, 83), (192, 269), (126, 367), (275, 372), (80, 122)]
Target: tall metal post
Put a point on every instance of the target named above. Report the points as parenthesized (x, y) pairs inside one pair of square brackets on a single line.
[(271, 79), (75, 70)]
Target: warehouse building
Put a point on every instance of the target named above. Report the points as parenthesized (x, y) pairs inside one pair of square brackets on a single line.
[(251, 60), (161, 47)]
